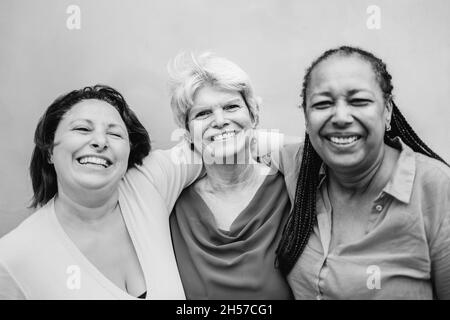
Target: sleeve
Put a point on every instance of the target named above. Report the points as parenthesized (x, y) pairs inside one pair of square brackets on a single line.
[(9, 289), (170, 171), (287, 160), (266, 142), (440, 243), (277, 150)]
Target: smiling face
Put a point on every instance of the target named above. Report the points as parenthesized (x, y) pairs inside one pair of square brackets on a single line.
[(91, 147), (346, 113), (218, 122)]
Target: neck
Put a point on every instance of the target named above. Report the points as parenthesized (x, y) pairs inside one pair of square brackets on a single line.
[(225, 177), (87, 208), (367, 181)]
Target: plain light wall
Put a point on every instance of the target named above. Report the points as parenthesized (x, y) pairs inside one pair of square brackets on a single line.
[(127, 44)]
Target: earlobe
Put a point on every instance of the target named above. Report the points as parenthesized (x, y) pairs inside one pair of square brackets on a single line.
[(388, 126), (187, 136)]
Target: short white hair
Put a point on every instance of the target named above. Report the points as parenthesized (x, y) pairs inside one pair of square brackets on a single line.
[(188, 73)]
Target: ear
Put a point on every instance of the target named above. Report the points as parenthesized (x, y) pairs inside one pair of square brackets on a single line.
[(49, 154), (253, 119), (388, 111), (254, 123), (187, 136), (306, 121)]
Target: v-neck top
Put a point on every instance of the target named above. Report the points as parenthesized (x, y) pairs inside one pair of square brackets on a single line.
[(38, 260), (234, 264)]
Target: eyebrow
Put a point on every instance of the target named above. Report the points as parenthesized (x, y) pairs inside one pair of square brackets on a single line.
[(111, 125), (350, 92), (234, 100), (355, 91), (198, 108), (322, 93)]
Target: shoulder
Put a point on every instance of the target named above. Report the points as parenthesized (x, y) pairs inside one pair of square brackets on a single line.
[(24, 237), (431, 192), (284, 159), (290, 159), (431, 172), (151, 169), (292, 152), (288, 162)]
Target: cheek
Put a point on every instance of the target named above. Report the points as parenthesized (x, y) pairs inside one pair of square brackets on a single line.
[(56, 158), (374, 121), (63, 151), (314, 121), (122, 150), (69, 143), (197, 129), (244, 118)]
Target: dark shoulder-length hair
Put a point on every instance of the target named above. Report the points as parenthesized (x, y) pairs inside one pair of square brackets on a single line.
[(42, 172), (303, 216)]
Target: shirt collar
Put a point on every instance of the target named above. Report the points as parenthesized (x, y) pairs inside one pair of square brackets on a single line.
[(400, 186), (401, 183)]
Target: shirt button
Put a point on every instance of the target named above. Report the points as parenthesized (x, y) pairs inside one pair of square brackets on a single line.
[(379, 207)]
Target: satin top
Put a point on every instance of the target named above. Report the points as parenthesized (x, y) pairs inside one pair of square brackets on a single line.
[(234, 264)]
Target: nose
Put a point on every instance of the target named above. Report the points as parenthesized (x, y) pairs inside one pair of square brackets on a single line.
[(99, 141), (219, 120), (342, 115)]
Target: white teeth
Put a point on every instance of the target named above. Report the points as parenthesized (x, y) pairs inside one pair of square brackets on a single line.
[(343, 140), (224, 136), (93, 160)]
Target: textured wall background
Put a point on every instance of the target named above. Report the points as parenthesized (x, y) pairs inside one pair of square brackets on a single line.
[(127, 44)]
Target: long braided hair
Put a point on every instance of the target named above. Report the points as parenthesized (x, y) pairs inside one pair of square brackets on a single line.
[(303, 216)]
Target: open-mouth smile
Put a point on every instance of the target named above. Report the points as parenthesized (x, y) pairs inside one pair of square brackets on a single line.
[(343, 140), (93, 160), (223, 136)]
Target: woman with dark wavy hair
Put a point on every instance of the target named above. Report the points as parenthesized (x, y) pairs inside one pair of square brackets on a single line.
[(371, 216), (102, 227)]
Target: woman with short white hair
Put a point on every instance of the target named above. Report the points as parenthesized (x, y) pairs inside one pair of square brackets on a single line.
[(226, 226)]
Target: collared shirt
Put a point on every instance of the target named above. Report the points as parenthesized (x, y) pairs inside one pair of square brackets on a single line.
[(405, 252)]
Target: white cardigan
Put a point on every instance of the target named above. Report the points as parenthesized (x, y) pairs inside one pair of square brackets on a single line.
[(39, 261)]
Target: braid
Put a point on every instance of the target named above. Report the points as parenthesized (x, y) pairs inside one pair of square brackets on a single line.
[(401, 128), (303, 216)]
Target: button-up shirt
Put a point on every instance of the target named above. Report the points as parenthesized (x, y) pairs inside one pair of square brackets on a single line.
[(405, 251)]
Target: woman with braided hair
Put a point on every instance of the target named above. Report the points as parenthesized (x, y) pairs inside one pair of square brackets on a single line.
[(371, 215)]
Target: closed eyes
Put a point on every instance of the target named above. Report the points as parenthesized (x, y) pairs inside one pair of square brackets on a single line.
[(352, 102), (85, 130), (360, 102), (231, 107), (322, 104), (82, 129), (202, 114)]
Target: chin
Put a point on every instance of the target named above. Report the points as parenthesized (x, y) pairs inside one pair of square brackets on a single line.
[(91, 185), (344, 162), (97, 183)]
